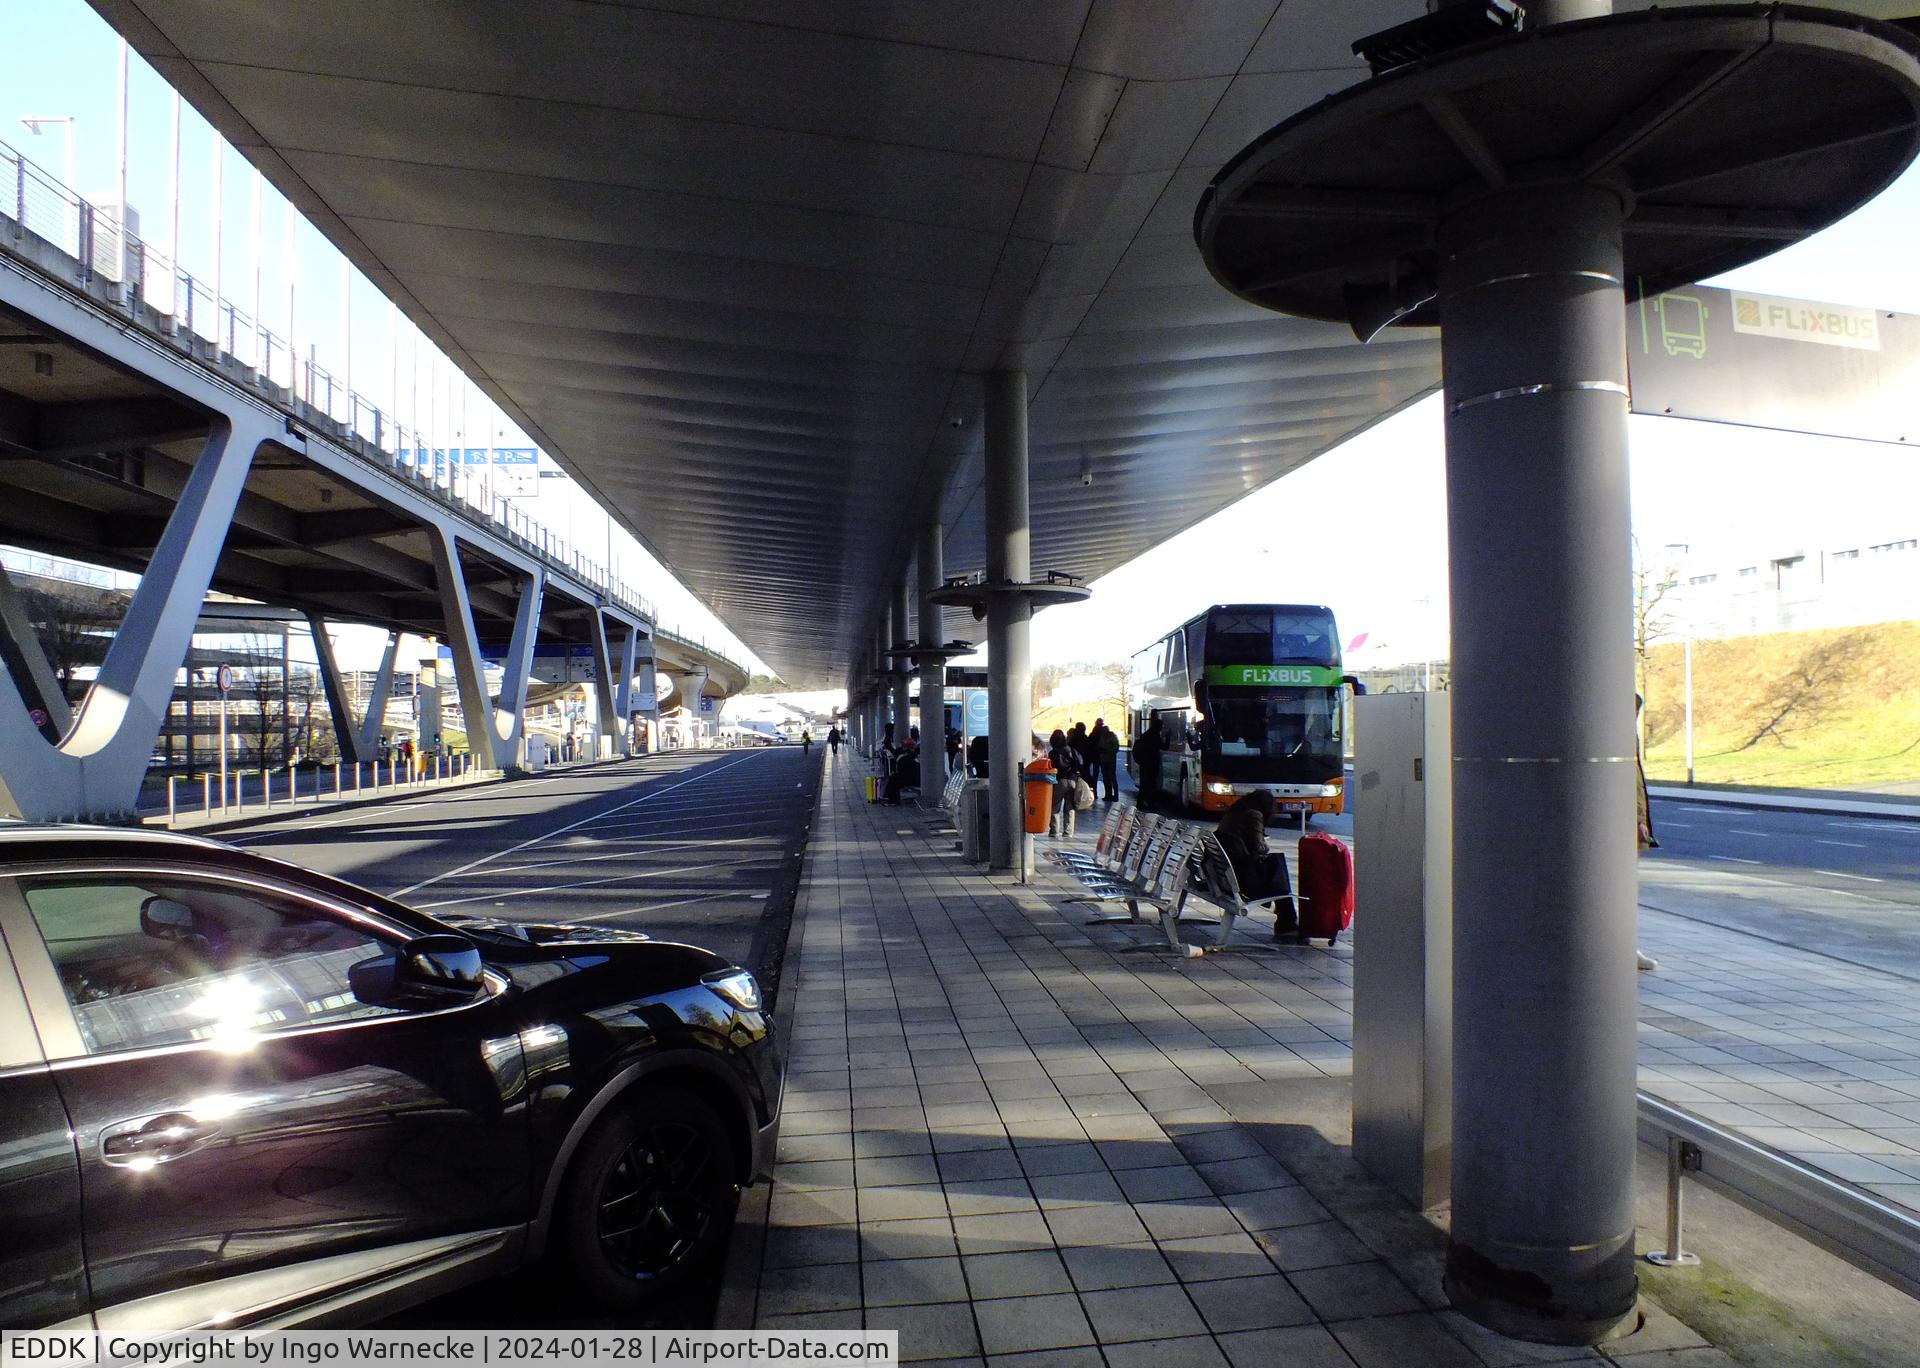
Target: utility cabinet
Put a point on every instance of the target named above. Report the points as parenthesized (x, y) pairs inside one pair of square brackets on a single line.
[(1403, 946)]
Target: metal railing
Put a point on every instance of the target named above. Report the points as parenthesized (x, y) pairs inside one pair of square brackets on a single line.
[(171, 305), (1873, 1235)]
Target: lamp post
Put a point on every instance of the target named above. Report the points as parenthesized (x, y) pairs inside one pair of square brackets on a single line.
[(69, 215), (1686, 668)]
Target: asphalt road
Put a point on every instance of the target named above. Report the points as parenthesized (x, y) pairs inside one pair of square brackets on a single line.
[(1843, 886), (694, 846), (700, 846)]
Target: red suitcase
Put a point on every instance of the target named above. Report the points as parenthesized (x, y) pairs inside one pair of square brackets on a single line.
[(1326, 887)]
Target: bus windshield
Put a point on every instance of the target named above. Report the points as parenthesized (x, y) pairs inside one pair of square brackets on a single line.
[(1295, 724)]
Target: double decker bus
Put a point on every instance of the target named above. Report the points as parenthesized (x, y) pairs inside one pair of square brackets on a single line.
[(1244, 696)]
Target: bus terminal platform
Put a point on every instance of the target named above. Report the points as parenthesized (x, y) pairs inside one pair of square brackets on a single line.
[(1017, 1138)]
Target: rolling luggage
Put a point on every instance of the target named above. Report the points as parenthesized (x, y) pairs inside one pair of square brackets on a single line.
[(1326, 888)]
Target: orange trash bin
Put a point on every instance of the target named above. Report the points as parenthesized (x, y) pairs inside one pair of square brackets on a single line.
[(1038, 788)]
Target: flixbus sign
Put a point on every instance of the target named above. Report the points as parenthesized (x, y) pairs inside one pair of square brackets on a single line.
[(1309, 676)]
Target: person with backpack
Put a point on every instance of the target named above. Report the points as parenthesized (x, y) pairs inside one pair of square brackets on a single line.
[(833, 739), (1068, 776)]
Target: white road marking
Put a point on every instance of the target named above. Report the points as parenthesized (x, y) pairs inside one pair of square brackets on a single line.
[(571, 826), (497, 897), (1741, 831), (1685, 826), (1732, 859), (1851, 845), (1839, 874), (658, 907)]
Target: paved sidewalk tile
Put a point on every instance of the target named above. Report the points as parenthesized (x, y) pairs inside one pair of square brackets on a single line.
[(1000, 1138)]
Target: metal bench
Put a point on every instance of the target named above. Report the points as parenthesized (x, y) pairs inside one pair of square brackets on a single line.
[(1219, 885), (1101, 859), (1154, 871)]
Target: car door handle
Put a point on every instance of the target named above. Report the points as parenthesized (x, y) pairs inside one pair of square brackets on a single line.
[(142, 1144)]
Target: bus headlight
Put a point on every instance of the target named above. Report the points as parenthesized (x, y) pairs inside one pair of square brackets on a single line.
[(1215, 786)]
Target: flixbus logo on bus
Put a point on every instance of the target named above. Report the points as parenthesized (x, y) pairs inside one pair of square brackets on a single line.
[(1311, 676)]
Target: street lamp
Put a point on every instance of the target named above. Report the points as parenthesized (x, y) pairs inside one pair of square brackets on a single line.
[(1686, 666), (35, 124)]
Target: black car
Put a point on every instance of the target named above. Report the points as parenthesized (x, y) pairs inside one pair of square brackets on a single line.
[(236, 1093)]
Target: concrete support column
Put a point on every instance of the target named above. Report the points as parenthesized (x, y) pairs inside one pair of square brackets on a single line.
[(605, 682), (98, 765), (430, 730), (933, 669), (902, 615), (22, 657), (496, 727), (1543, 950), (879, 703), (1009, 559)]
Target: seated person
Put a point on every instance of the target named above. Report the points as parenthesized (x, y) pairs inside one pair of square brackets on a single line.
[(906, 773), (1262, 873)]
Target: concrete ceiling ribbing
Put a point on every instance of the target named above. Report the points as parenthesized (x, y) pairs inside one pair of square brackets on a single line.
[(740, 265)]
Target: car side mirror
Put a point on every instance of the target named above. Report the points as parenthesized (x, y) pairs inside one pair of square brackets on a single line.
[(428, 971), (166, 919)]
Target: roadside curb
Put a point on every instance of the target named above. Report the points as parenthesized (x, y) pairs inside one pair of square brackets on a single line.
[(740, 1278), (1787, 802), (483, 779)]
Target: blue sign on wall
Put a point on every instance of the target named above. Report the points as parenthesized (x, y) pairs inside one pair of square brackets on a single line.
[(976, 724)]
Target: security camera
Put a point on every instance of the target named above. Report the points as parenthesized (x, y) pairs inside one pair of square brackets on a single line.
[(956, 421), (1086, 477)]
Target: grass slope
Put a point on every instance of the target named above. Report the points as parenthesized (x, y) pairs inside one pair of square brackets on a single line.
[(1847, 703)]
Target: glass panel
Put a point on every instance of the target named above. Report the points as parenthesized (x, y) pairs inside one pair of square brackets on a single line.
[(1276, 725), (164, 960)]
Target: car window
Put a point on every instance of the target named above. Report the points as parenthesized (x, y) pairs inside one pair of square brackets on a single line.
[(163, 960)]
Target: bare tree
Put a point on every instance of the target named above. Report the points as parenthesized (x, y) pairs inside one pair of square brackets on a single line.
[(74, 629), (1653, 616), (1807, 693)]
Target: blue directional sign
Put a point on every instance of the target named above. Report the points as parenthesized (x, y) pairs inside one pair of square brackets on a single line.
[(976, 724)]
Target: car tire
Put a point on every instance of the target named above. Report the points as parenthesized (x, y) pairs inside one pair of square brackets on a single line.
[(649, 1200)]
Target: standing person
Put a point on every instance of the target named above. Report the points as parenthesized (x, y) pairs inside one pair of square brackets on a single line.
[(806, 741), (1106, 757), (833, 739), (1146, 762), (1067, 771), (1082, 745), (977, 750), (1644, 833)]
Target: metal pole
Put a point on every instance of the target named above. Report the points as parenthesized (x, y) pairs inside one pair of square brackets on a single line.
[(1009, 664), (223, 750), (219, 220), (902, 620), (172, 812), (1534, 363), (933, 669), (1681, 1156), (120, 213), (173, 230), (206, 794), (258, 244), (1686, 656)]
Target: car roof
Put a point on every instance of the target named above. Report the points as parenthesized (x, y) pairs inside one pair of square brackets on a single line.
[(20, 839)]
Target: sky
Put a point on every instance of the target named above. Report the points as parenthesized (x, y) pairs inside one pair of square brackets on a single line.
[(1700, 484)]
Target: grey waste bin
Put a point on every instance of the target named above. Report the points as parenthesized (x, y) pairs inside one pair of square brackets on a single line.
[(973, 821)]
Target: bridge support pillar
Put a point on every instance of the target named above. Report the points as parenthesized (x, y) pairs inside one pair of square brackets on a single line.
[(496, 726), (97, 768), (931, 572), (605, 683), (428, 728), (26, 662), (1534, 361), (359, 740), (1009, 662)]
